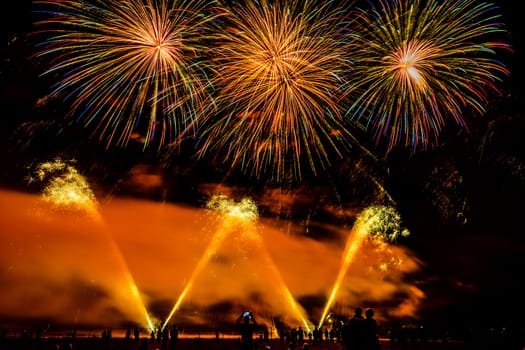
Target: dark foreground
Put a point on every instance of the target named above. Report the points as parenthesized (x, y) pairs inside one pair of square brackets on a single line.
[(228, 344)]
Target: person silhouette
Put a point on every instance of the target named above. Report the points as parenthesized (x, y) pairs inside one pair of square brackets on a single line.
[(136, 334), (247, 323), (370, 338), (353, 332), (174, 335), (144, 344)]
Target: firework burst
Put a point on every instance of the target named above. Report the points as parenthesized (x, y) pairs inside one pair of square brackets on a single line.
[(417, 63), (279, 67), (130, 68), (66, 189)]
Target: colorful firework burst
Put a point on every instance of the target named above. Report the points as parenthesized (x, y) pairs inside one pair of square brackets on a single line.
[(133, 67), (417, 63), (280, 66)]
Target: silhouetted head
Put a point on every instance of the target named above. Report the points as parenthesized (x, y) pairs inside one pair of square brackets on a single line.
[(358, 311), (369, 313)]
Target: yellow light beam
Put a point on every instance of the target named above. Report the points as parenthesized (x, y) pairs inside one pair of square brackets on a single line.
[(216, 240), (353, 243), (379, 222), (67, 189), (297, 310), (233, 215)]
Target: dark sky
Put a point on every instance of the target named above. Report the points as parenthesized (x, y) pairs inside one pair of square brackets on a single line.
[(462, 200)]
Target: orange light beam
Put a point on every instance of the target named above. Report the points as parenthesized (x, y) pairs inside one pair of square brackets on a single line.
[(216, 240), (352, 245)]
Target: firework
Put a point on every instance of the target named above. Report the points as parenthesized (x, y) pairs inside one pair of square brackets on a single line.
[(245, 209), (418, 63), (133, 67), (446, 190), (379, 224), (279, 70), (65, 188)]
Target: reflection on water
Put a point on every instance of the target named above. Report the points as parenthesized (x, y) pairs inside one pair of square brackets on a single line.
[(64, 267)]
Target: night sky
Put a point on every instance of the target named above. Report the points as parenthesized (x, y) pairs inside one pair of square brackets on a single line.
[(462, 199)]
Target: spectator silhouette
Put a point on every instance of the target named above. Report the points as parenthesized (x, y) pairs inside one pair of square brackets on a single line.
[(370, 338), (247, 328), (136, 334), (144, 344), (282, 333), (174, 335), (316, 334), (300, 335), (353, 333), (159, 335), (331, 336), (164, 338)]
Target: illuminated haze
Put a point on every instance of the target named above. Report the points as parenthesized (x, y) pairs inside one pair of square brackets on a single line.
[(67, 268)]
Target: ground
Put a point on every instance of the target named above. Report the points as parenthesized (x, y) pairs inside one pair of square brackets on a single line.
[(225, 344)]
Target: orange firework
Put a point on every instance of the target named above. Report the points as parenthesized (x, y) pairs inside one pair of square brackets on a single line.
[(280, 66), (132, 66)]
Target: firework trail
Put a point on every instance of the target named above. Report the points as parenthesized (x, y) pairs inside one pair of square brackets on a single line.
[(68, 191), (280, 66), (378, 223), (237, 218), (417, 63), (129, 67)]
